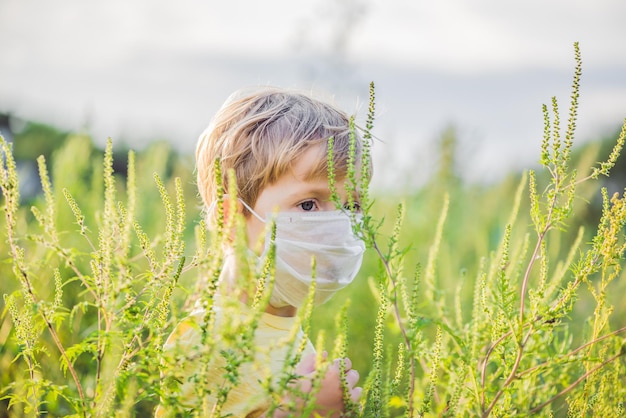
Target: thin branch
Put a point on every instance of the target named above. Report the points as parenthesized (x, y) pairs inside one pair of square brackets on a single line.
[(512, 375), (398, 316), (573, 385), (573, 352)]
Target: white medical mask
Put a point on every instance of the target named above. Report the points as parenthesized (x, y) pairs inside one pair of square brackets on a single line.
[(325, 235)]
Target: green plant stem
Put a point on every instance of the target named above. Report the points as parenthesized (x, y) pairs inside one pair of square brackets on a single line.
[(512, 375), (537, 318), (99, 356), (53, 333), (70, 367), (531, 264), (27, 284), (575, 383), (405, 337), (574, 352), (540, 238), (486, 360)]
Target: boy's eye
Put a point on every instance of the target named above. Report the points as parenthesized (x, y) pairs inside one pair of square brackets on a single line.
[(356, 207), (307, 206)]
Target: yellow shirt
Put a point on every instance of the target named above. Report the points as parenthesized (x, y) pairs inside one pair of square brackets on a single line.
[(248, 397)]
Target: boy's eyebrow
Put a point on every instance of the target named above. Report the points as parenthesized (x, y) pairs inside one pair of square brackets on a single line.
[(322, 192), (312, 190)]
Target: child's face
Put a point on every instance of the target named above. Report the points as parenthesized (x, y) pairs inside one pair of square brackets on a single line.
[(293, 192)]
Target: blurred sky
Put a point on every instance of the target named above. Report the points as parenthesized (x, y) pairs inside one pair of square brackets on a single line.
[(146, 69)]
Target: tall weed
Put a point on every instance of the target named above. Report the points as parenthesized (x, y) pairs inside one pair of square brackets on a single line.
[(472, 301)]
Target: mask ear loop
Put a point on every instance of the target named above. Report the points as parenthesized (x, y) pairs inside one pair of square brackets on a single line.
[(211, 208), (256, 215)]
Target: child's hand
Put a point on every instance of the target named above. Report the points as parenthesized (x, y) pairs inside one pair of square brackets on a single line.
[(329, 398)]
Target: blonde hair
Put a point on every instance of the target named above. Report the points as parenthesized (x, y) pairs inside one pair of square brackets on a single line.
[(259, 135)]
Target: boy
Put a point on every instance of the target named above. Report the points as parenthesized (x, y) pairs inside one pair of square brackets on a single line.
[(275, 143)]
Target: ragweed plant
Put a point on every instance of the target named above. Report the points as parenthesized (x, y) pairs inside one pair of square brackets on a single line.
[(108, 339), (493, 302), (516, 353)]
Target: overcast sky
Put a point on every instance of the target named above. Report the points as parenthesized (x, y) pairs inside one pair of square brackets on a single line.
[(145, 69)]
